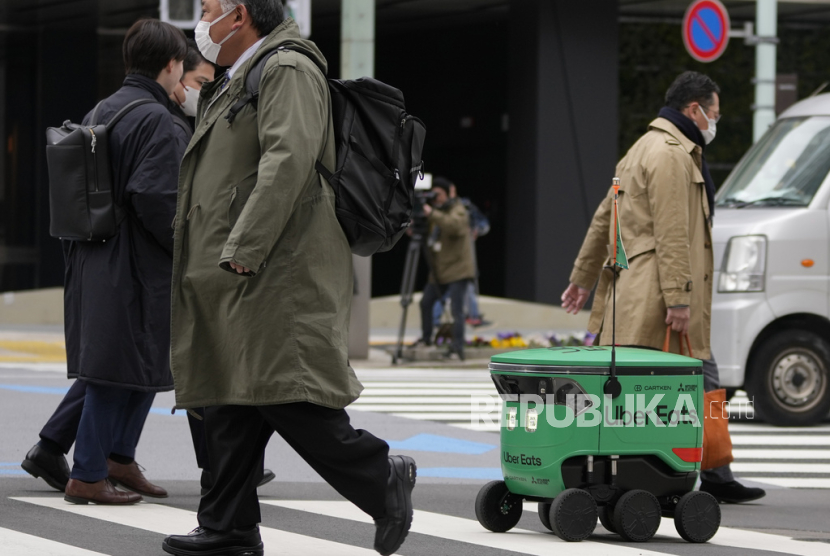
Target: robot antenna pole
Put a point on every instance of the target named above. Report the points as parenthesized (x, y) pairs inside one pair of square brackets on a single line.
[(612, 385)]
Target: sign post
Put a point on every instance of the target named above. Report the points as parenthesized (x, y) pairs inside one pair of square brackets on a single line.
[(706, 30), (300, 10)]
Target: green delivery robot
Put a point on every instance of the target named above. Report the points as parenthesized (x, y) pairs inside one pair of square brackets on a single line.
[(591, 432)]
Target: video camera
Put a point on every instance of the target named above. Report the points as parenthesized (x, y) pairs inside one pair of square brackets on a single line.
[(422, 195)]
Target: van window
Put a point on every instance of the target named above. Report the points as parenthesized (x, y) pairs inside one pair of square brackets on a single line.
[(785, 168)]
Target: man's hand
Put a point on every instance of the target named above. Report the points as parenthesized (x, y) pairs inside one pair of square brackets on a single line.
[(574, 298), (678, 318), (427, 209), (239, 268)]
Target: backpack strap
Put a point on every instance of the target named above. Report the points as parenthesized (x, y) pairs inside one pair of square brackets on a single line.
[(120, 212), (123, 112), (94, 119), (252, 80), (182, 124), (251, 96)]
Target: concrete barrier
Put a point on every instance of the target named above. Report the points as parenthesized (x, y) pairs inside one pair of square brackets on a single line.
[(35, 307), (506, 314)]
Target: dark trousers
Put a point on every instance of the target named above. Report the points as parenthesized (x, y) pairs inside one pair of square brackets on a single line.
[(197, 434), (354, 462), (432, 293), (62, 426), (111, 421)]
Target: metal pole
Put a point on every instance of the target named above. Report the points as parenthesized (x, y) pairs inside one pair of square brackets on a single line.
[(766, 17), (357, 59)]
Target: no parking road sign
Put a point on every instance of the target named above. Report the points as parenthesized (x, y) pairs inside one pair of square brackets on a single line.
[(706, 30)]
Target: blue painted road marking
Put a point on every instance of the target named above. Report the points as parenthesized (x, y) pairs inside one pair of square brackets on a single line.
[(34, 389), (481, 473), (440, 444)]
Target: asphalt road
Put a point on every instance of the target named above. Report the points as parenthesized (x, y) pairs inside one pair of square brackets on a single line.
[(303, 516)]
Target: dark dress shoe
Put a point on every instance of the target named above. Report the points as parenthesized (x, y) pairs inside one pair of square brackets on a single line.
[(207, 542), (129, 476), (732, 492), (50, 467), (391, 530), (102, 492), (206, 481)]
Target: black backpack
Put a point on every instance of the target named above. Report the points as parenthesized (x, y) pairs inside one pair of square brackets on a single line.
[(378, 149), (81, 203)]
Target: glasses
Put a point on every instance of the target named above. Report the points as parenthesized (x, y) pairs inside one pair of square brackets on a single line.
[(706, 109)]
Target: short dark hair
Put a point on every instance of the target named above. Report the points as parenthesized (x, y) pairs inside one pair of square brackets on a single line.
[(691, 86), (193, 59), (265, 14), (149, 46), (441, 183)]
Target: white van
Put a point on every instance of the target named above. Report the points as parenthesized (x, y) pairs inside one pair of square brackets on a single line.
[(771, 306)]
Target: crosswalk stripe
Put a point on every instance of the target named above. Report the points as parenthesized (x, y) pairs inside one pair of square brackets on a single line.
[(781, 454), (740, 538), (747, 428), (793, 482), (753, 540), (372, 386), (420, 408), (460, 402), (166, 520), (468, 531), (740, 467), (14, 542), (783, 440)]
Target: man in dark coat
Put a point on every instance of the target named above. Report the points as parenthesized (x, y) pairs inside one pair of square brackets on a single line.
[(117, 292)]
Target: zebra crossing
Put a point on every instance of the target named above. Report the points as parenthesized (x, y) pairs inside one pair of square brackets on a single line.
[(784, 457), (432, 532)]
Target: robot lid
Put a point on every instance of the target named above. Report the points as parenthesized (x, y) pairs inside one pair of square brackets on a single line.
[(593, 356)]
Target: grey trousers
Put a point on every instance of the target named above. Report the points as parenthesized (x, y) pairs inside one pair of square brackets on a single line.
[(711, 381)]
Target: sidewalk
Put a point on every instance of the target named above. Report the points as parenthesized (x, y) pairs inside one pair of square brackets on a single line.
[(31, 328)]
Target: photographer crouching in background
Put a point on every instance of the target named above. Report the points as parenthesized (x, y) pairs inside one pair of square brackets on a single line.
[(450, 256)]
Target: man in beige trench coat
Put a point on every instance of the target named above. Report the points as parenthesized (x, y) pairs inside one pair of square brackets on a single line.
[(262, 286), (666, 205)]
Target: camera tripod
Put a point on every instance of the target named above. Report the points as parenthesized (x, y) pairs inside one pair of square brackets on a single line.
[(410, 272)]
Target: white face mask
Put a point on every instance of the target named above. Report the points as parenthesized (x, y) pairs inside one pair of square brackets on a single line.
[(191, 101), (208, 48), (709, 133)]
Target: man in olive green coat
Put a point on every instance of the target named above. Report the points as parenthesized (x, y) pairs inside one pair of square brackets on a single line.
[(262, 286), (666, 204), (450, 257)]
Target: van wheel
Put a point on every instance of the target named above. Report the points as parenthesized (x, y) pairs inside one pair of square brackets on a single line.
[(789, 377)]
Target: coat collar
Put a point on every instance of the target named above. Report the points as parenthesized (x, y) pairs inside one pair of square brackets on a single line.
[(150, 85), (664, 125)]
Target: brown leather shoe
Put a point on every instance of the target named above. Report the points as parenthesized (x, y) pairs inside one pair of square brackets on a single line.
[(102, 492), (130, 477)]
